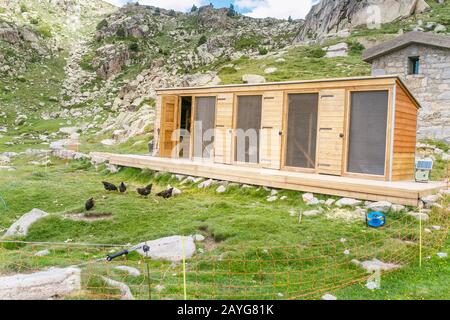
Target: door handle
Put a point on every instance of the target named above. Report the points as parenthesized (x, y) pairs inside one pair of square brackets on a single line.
[(341, 135)]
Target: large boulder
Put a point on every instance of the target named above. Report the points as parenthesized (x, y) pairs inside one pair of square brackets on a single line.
[(53, 283), (253, 78), (21, 226), (169, 248), (337, 50)]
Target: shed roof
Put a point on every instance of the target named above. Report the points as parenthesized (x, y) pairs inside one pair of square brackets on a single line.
[(414, 37), (333, 82)]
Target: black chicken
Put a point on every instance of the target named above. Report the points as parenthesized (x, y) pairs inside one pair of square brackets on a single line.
[(89, 204), (145, 191), (166, 193), (109, 186), (122, 187)]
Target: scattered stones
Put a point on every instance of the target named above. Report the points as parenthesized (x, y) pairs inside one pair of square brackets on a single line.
[(371, 285), (198, 237), (42, 285), (309, 199), (346, 215), (108, 142), (375, 264), (130, 270), (42, 253), (312, 213), (221, 189), (397, 208), (176, 192), (253, 78), (419, 215), (348, 202), (206, 184), (125, 291), (270, 70), (337, 50), (169, 248), (380, 206), (21, 226), (328, 297)]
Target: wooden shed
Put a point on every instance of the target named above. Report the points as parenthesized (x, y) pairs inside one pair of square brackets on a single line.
[(361, 127), (352, 137)]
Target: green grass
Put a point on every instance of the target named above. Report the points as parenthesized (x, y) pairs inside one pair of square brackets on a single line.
[(243, 225)]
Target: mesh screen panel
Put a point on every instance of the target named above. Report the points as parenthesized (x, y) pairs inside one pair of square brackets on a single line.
[(248, 127), (205, 114), (368, 121), (302, 130)]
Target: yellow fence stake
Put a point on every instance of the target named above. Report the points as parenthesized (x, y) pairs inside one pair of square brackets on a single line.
[(184, 269), (420, 241)]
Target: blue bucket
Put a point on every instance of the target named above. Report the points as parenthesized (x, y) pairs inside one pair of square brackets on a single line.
[(375, 219)]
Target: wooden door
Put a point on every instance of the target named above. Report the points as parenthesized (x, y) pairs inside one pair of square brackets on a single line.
[(330, 136), (271, 126), (169, 123), (223, 136)]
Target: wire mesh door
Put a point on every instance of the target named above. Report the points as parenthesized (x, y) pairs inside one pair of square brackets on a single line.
[(368, 122), (302, 130), (205, 111), (248, 126)]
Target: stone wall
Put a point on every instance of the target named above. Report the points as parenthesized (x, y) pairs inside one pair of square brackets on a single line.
[(431, 86)]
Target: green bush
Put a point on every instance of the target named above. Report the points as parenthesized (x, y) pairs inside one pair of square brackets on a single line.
[(44, 31), (263, 51), (134, 46), (356, 47), (227, 70), (121, 32), (23, 7), (314, 52), (102, 24), (246, 43), (203, 39)]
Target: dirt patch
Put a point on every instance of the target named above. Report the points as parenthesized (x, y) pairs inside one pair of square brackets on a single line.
[(209, 243), (89, 216)]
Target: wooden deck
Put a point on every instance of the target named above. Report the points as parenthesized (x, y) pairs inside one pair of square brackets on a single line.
[(400, 192)]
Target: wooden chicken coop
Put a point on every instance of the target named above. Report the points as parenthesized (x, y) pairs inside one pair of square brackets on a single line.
[(351, 137)]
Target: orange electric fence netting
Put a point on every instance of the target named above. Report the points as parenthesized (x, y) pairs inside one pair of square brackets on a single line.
[(304, 270)]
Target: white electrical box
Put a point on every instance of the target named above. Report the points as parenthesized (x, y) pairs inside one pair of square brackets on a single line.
[(423, 168)]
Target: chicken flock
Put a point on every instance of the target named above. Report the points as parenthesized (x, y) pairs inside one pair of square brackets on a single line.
[(145, 192)]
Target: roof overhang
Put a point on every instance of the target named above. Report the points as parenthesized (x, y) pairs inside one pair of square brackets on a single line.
[(403, 41)]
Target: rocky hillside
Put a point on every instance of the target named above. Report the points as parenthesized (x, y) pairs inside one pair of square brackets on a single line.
[(331, 18), (95, 67)]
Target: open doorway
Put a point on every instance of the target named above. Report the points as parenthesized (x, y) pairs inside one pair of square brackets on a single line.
[(185, 127)]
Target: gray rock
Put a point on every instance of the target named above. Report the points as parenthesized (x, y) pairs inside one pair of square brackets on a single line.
[(125, 291), (419, 215), (381, 206), (21, 226), (442, 255), (397, 208), (329, 202), (253, 78), (348, 202), (130, 270), (328, 297), (221, 189), (206, 184), (272, 198), (198, 237), (42, 253), (375, 264), (169, 248), (42, 285), (176, 192), (312, 213)]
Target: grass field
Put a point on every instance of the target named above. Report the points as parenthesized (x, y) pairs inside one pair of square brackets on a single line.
[(253, 248)]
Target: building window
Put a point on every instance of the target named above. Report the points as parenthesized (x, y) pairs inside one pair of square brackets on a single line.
[(414, 63)]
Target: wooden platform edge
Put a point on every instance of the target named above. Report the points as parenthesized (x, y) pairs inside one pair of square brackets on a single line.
[(399, 196)]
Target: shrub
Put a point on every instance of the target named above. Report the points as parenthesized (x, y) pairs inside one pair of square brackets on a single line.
[(263, 51), (44, 31), (356, 47), (314, 52), (246, 43), (102, 24), (121, 32), (203, 39), (134, 46)]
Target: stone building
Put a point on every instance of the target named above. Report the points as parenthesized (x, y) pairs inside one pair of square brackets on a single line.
[(422, 60)]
